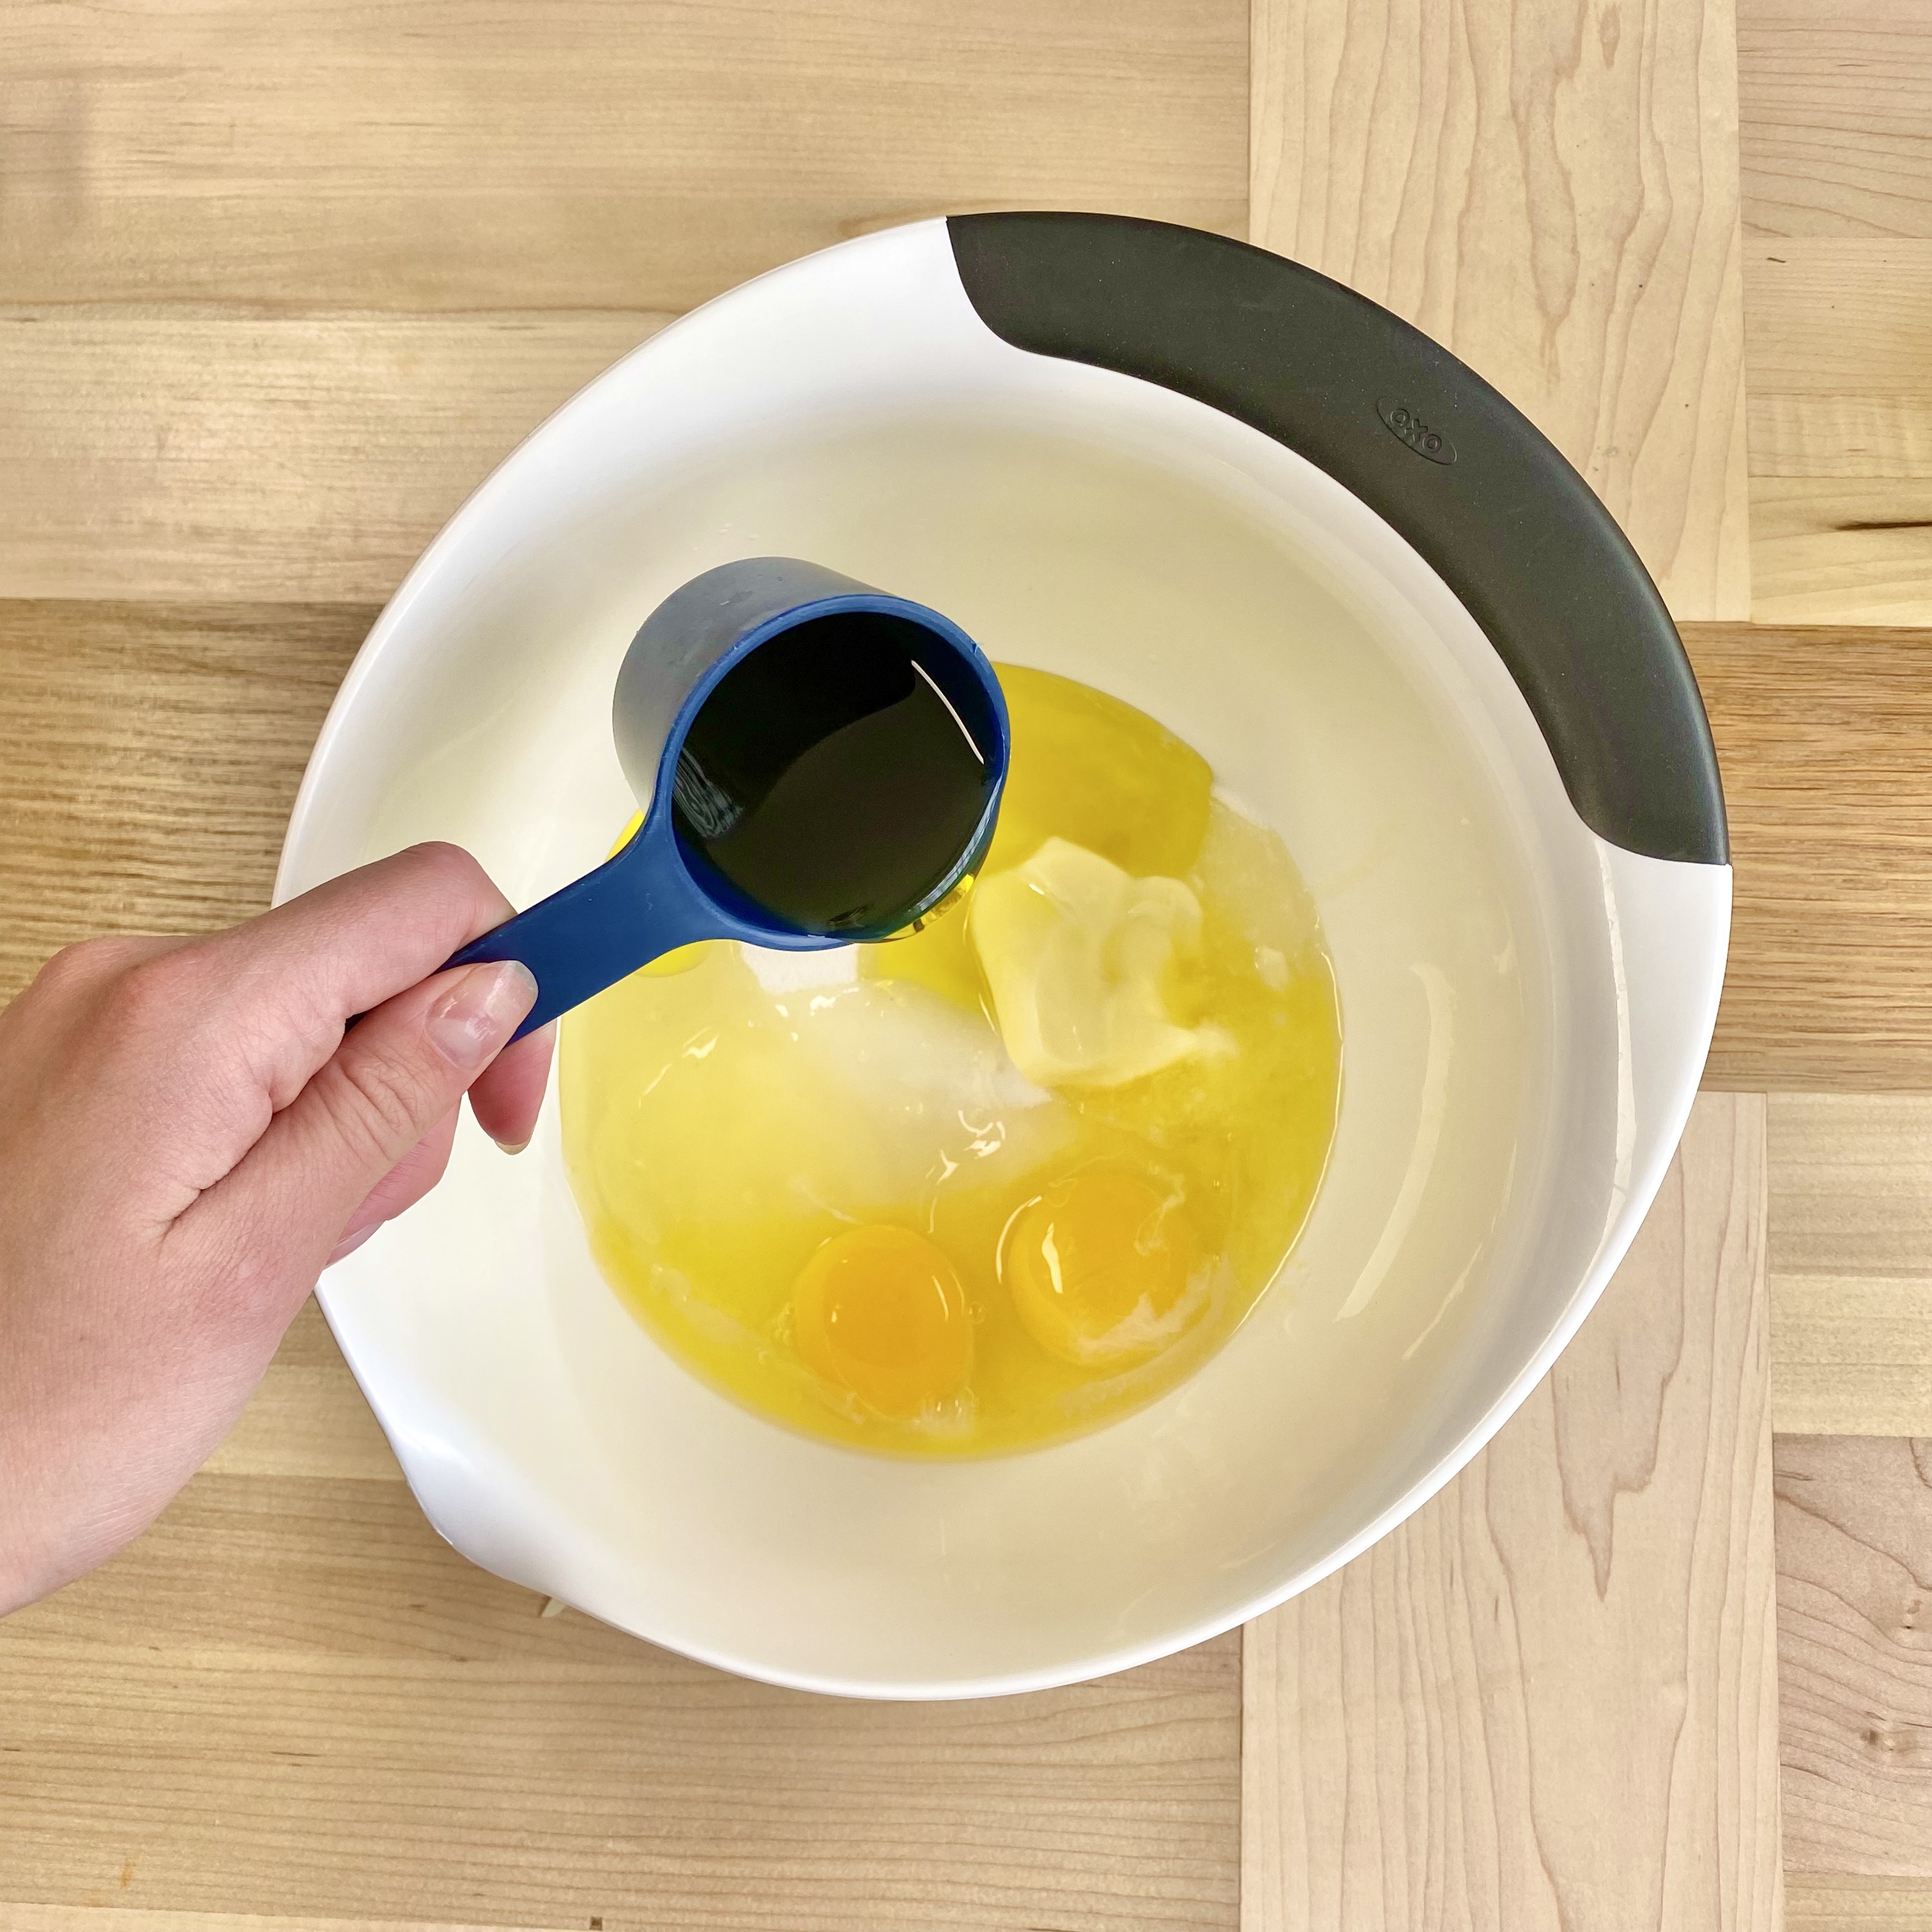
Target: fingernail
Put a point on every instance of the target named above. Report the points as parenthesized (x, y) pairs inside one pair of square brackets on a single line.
[(472, 1022), (350, 1243), (513, 1147)]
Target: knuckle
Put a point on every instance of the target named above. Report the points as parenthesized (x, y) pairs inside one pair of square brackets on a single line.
[(121, 990), (446, 865), (454, 876), (90, 962), (381, 1103), (157, 993)]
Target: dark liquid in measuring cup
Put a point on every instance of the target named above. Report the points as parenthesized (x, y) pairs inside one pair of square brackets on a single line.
[(827, 777)]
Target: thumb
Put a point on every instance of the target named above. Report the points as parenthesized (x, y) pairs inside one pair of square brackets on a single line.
[(395, 1076)]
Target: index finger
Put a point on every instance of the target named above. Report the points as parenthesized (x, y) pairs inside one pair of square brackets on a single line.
[(291, 980)]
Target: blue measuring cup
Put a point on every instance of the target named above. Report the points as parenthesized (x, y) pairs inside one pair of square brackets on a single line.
[(817, 762)]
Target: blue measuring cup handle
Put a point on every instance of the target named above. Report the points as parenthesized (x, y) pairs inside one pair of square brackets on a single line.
[(637, 905)]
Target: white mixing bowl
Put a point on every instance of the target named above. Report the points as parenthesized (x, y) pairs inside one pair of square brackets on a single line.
[(1207, 481)]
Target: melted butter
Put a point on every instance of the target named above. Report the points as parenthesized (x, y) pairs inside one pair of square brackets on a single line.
[(1007, 1178), (1078, 957)]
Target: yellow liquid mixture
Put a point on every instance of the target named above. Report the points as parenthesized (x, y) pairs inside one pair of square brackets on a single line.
[(1000, 1182)]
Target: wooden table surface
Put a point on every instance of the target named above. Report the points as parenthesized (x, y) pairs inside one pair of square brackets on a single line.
[(280, 280)]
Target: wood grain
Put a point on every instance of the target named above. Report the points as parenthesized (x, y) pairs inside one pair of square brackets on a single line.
[(1550, 188), (1840, 334), (1834, 117), (1830, 551), (1841, 342), (308, 1417), (1835, 132), (1549, 1699), (316, 465), (153, 753), (139, 1918), (308, 1422), (1816, 1903), (1855, 1653), (1849, 1243), (1824, 737), (291, 1698), (1851, 1354), (461, 154), (1851, 1184)]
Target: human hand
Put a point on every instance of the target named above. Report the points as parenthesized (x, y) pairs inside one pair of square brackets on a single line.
[(188, 1135)]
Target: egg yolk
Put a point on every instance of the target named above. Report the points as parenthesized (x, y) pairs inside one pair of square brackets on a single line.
[(880, 1312), (1100, 1268)]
